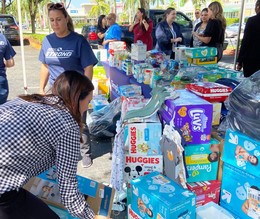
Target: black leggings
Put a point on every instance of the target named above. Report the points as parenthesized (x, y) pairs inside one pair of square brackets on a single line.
[(24, 205)]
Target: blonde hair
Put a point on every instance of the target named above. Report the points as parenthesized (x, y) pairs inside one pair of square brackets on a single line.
[(217, 10)]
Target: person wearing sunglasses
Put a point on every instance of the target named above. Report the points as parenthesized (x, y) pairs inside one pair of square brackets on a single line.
[(197, 18), (114, 31), (37, 132), (64, 50)]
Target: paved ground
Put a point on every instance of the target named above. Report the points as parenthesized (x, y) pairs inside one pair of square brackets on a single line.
[(101, 148)]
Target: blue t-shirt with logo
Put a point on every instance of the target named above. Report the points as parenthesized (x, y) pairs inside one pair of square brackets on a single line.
[(6, 52), (113, 32), (72, 52)]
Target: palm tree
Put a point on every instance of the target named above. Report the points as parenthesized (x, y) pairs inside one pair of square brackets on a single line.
[(158, 2), (145, 4), (100, 8), (196, 3), (130, 7)]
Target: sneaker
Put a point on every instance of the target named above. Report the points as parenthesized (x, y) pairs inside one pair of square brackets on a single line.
[(86, 161)]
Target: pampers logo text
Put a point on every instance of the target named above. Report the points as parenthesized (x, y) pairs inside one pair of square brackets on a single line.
[(198, 120), (58, 53)]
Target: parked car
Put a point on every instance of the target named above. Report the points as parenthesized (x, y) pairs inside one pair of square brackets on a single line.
[(9, 27), (232, 30)]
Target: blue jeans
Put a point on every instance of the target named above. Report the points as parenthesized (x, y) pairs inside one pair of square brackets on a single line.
[(4, 89)]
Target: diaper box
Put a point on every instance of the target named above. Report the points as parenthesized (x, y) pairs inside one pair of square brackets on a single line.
[(201, 52), (210, 91), (206, 191), (212, 210), (240, 192), (99, 197), (180, 53), (156, 196), (203, 61), (131, 214), (143, 138), (136, 166), (191, 114), (216, 113), (138, 51), (202, 161), (242, 152)]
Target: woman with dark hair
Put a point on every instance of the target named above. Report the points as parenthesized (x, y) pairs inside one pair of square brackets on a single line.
[(168, 34), (37, 132), (200, 28), (65, 50), (142, 28), (215, 30), (101, 28)]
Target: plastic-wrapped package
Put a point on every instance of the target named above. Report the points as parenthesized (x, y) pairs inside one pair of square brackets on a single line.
[(102, 123), (192, 73), (244, 107)]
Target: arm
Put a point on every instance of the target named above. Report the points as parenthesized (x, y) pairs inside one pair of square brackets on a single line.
[(146, 25), (44, 76), (67, 154), (161, 36), (203, 39), (245, 43), (88, 71), (100, 35), (9, 63), (131, 27)]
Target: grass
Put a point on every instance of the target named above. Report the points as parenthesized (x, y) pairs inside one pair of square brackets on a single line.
[(37, 37)]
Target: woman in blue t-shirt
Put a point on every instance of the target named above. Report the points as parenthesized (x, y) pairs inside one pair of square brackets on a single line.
[(65, 50), (6, 60)]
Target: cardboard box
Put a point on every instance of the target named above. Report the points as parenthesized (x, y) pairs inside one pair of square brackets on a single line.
[(101, 54), (206, 191), (180, 53), (99, 197), (240, 192), (191, 114), (203, 61), (202, 161), (242, 152), (143, 138), (156, 195), (201, 52), (216, 113), (220, 137), (136, 166), (138, 51), (131, 214)]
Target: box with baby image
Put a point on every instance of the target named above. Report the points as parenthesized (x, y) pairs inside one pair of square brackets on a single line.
[(143, 138), (99, 196), (202, 161), (156, 196), (242, 152), (191, 114), (240, 192), (201, 52)]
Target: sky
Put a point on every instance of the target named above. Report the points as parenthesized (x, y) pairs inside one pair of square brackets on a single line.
[(77, 3)]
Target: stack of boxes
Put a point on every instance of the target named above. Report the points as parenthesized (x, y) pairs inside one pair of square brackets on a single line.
[(240, 191)]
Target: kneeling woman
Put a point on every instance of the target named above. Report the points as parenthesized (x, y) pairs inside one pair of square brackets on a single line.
[(37, 132)]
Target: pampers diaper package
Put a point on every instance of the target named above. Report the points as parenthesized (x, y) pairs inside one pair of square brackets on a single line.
[(202, 161), (156, 196), (191, 114), (240, 193), (242, 152)]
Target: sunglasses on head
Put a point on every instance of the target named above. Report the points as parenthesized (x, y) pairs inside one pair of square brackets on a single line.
[(56, 6), (109, 18), (196, 12)]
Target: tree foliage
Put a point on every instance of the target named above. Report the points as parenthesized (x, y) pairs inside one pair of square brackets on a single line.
[(100, 8)]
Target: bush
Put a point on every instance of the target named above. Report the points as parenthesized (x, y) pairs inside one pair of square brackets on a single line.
[(37, 37), (232, 20)]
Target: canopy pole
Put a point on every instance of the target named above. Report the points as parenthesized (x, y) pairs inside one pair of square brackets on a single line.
[(239, 32), (22, 45)]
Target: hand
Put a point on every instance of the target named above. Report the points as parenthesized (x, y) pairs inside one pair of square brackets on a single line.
[(239, 66), (104, 42), (144, 22)]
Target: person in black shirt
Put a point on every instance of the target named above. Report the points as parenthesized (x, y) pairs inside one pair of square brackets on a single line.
[(215, 30), (249, 54), (101, 28)]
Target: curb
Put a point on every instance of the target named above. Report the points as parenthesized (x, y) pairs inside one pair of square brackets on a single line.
[(34, 43)]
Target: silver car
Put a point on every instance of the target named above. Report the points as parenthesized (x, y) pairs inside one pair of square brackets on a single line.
[(9, 28)]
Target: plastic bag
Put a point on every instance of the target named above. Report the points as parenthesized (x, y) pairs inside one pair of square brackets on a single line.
[(244, 107), (102, 123)]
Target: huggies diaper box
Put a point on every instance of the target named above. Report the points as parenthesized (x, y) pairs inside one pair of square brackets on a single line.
[(206, 191), (137, 165), (156, 196), (191, 114), (242, 152), (143, 138), (240, 193), (99, 197), (202, 161)]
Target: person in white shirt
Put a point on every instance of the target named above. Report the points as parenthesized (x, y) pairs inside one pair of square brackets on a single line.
[(197, 17)]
